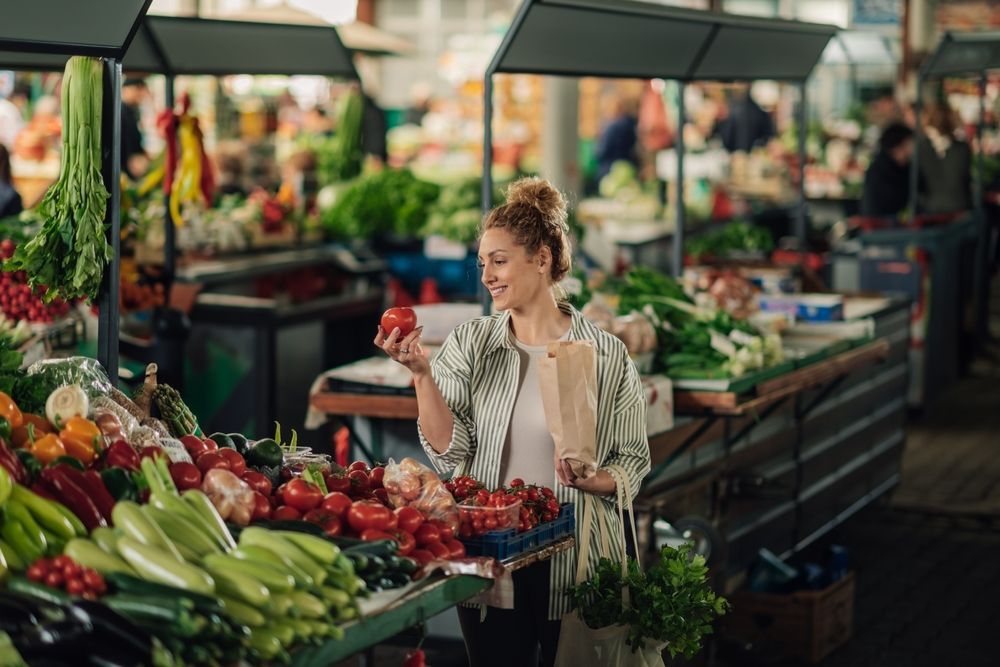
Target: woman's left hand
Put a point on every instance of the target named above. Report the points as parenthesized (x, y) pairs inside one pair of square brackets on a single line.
[(601, 483)]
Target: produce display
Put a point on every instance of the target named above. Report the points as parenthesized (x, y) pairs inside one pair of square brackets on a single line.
[(389, 201), (734, 237)]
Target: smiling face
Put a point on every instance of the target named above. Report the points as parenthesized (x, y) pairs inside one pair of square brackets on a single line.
[(513, 277)]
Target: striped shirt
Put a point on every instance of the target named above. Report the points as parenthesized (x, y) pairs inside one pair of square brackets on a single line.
[(477, 370)]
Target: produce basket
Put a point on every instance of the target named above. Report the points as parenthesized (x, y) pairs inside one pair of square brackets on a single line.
[(479, 520), (504, 544)]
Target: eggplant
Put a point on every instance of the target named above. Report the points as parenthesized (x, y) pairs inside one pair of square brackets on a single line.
[(112, 629), (16, 613), (53, 640)]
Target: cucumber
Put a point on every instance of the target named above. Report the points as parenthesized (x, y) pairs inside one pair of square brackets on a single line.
[(19, 584)]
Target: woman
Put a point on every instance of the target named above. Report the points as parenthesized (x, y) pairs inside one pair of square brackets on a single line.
[(945, 164), (10, 201), (480, 411)]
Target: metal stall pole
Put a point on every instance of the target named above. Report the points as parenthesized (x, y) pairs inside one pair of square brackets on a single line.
[(983, 249), (677, 263), (170, 231), (800, 215), (107, 323), (487, 193), (915, 160)]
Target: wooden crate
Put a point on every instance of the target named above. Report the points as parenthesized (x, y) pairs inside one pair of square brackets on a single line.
[(807, 625)]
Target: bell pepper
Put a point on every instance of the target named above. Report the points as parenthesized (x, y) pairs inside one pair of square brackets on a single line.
[(12, 464), (92, 484), (70, 461), (72, 496), (29, 462), (81, 437), (121, 455), (40, 488), (10, 411), (48, 448), (120, 484), (34, 426)]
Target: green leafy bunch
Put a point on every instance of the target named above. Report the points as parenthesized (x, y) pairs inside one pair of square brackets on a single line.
[(671, 602), (391, 200)]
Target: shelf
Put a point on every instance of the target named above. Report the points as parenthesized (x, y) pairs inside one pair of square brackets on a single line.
[(232, 269)]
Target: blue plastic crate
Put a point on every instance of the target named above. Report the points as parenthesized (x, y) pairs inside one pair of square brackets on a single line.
[(504, 544)]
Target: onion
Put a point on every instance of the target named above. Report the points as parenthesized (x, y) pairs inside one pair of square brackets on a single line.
[(65, 403)]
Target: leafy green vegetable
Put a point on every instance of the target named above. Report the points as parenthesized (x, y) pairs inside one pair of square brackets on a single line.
[(457, 213), (69, 254), (733, 237), (391, 200), (44, 377), (671, 602)]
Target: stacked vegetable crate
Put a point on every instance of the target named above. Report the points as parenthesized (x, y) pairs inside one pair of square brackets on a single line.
[(505, 544)]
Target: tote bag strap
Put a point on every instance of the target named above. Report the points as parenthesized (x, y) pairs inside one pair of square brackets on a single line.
[(583, 549)]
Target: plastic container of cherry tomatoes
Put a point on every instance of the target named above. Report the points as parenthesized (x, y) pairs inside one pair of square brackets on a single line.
[(475, 520)]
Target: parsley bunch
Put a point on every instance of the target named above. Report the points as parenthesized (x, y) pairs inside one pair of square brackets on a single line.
[(671, 602)]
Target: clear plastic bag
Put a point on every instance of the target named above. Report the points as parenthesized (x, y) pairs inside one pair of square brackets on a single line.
[(410, 483), (45, 376)]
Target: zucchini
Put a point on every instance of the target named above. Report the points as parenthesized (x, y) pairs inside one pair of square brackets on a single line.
[(126, 583), (106, 539), (286, 549), (281, 605), (276, 581), (284, 632), (266, 557), (320, 550), (242, 588), (150, 563), (173, 615), (88, 554), (133, 522), (242, 613), (36, 591), (308, 606)]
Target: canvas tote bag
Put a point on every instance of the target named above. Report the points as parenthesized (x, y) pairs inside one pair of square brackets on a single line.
[(580, 644)]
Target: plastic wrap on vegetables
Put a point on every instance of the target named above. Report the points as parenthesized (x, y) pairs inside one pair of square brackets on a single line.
[(45, 376), (232, 497), (411, 483)]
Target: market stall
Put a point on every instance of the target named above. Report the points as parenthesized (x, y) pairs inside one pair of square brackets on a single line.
[(655, 42)]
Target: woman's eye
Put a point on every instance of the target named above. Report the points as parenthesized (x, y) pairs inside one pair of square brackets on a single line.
[(500, 262), (480, 265)]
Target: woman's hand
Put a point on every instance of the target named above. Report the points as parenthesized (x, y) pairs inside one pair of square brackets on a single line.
[(406, 351), (600, 483)]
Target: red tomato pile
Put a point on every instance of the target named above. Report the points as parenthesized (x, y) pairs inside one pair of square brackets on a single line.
[(64, 573), (538, 505), (207, 455), (485, 512)]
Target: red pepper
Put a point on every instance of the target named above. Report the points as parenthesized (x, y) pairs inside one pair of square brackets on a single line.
[(92, 484), (166, 123), (207, 184), (73, 497), (13, 465), (44, 490), (121, 455)]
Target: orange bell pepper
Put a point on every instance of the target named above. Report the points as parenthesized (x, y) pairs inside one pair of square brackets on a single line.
[(48, 448), (81, 437), (10, 411), (34, 426)]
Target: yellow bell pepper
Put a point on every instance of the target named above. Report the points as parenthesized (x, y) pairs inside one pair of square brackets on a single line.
[(81, 438)]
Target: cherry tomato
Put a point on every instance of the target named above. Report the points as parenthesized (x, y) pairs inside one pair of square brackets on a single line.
[(376, 476), (302, 495), (211, 460), (257, 482), (366, 514), (75, 586), (403, 318), (93, 580), (286, 513), (427, 533), (336, 502), (60, 562), (261, 507), (338, 483), (72, 570), (415, 658), (54, 579), (185, 475), (456, 548), (37, 572), (237, 464), (358, 465), (409, 519), (374, 534), (516, 482)]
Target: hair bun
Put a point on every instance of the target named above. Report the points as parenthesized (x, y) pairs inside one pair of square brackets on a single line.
[(539, 193)]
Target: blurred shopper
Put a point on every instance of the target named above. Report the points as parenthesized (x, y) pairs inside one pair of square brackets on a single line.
[(945, 164), (887, 181), (134, 158), (420, 95), (11, 120), (746, 124), (618, 136), (10, 201)]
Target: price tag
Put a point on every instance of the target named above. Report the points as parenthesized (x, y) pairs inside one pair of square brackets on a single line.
[(175, 451)]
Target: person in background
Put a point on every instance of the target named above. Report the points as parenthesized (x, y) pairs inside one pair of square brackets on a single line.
[(11, 118), (10, 201), (317, 122), (420, 94), (134, 158), (481, 410), (618, 137), (945, 164), (887, 181), (746, 124)]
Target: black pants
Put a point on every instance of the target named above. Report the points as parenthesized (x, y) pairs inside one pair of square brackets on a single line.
[(508, 637)]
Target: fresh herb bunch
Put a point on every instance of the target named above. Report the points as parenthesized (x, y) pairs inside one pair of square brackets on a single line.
[(737, 236), (392, 200), (671, 602)]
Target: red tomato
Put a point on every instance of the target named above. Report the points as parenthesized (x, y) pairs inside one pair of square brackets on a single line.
[(153, 452), (409, 519), (382, 496), (447, 532), (257, 482), (261, 507), (54, 579), (439, 550), (337, 483), (38, 571), (286, 513), (366, 514), (374, 534), (94, 581), (328, 521), (516, 482), (194, 445), (360, 483), (211, 445), (427, 534), (406, 542), (358, 465), (456, 548), (376, 476), (302, 495), (404, 318), (415, 658), (237, 464), (336, 502), (72, 570), (60, 562), (211, 460), (185, 475), (75, 586), (422, 556)]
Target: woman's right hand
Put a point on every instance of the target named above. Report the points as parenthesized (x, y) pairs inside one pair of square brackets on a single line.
[(406, 351)]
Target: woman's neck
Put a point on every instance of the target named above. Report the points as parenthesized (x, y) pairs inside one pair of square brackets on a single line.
[(540, 322)]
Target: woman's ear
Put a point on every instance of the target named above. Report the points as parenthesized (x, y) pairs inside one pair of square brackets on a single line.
[(543, 259)]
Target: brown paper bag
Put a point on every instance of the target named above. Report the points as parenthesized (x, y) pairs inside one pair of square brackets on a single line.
[(568, 377)]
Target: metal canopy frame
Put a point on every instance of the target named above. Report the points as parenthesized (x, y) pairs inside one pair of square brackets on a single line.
[(29, 37), (638, 40)]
